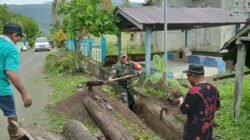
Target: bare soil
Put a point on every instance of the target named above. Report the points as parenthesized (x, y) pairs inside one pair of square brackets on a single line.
[(73, 108)]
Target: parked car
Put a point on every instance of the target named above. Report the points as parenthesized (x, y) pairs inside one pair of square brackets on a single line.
[(42, 44)]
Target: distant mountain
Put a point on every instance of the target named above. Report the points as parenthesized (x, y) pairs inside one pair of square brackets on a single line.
[(41, 13)]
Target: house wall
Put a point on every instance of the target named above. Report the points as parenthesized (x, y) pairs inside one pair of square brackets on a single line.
[(209, 39)]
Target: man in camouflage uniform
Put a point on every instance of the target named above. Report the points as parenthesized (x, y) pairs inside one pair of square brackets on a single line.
[(125, 68)]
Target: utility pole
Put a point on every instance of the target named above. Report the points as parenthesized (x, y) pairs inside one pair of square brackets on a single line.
[(165, 41)]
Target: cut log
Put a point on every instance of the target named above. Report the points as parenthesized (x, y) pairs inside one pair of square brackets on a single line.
[(74, 130), (40, 134), (110, 126)]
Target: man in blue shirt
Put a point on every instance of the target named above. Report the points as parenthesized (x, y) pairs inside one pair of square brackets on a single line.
[(9, 66)]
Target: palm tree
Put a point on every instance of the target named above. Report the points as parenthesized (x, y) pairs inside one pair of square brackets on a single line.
[(54, 5)]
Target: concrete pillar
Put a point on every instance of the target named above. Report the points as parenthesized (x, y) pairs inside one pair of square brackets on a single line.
[(119, 43), (148, 50), (186, 38)]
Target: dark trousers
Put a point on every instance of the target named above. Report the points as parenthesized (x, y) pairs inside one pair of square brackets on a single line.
[(195, 133), (130, 96)]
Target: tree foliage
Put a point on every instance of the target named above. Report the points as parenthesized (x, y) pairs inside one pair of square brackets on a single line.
[(59, 37), (29, 26), (87, 16), (157, 77), (5, 15), (80, 17)]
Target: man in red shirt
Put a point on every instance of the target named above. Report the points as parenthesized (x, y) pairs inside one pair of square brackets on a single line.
[(200, 104)]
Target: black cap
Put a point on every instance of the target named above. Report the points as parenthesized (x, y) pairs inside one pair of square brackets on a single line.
[(13, 28), (195, 69)]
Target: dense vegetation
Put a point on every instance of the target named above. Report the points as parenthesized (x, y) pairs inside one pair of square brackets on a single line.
[(29, 26), (229, 129)]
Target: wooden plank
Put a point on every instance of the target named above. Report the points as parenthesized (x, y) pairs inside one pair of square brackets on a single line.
[(241, 57), (245, 39)]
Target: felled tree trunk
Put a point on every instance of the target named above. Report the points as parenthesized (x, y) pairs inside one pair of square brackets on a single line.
[(35, 132), (110, 126), (74, 130)]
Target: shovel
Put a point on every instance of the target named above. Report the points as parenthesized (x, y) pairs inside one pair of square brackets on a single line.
[(90, 84)]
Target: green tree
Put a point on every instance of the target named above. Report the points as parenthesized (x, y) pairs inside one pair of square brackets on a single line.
[(30, 27), (80, 17), (5, 16)]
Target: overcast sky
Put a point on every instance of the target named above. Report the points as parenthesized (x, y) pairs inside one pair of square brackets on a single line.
[(38, 1), (141, 1), (23, 1)]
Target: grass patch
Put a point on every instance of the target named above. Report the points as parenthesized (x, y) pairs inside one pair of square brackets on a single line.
[(112, 49), (109, 91), (62, 62), (140, 134), (92, 127), (65, 85), (230, 129), (160, 93), (56, 122)]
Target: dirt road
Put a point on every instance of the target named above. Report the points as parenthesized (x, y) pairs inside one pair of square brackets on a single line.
[(31, 73)]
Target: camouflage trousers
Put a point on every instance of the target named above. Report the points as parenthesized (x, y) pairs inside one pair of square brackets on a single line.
[(126, 94)]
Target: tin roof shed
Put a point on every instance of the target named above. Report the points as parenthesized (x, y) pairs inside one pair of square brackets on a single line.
[(137, 18)]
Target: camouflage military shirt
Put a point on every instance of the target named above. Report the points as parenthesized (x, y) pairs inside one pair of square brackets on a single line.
[(120, 70)]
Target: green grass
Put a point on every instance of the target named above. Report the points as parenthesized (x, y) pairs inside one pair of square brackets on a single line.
[(92, 127), (112, 49), (139, 133), (65, 86), (56, 122), (229, 128), (109, 91)]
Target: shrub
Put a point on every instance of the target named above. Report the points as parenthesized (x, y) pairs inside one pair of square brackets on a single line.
[(31, 43), (60, 63)]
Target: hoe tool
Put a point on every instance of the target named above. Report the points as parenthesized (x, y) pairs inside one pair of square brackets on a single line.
[(90, 84)]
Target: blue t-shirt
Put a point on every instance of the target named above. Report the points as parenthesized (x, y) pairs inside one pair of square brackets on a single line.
[(9, 60)]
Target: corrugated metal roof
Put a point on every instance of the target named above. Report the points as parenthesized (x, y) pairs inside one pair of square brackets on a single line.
[(155, 15), (231, 46)]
